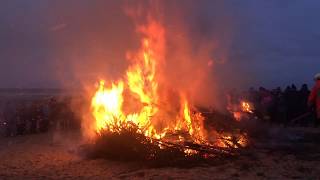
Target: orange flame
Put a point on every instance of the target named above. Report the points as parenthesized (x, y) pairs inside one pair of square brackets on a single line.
[(142, 84), (147, 111), (246, 107), (241, 109)]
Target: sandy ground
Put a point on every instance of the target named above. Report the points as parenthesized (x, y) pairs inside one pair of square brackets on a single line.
[(37, 157)]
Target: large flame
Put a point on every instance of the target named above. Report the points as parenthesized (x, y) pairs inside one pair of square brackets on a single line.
[(139, 99), (142, 85)]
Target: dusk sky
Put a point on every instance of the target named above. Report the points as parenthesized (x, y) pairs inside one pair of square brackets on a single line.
[(270, 42)]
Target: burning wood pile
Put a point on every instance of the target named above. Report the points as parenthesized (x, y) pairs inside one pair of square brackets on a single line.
[(129, 145), (139, 117)]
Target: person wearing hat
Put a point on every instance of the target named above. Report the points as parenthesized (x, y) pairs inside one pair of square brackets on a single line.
[(314, 98)]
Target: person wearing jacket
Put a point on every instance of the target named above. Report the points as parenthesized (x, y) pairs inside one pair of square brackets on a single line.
[(314, 98)]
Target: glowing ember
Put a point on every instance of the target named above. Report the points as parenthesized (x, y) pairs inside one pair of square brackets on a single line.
[(239, 112), (234, 142), (190, 152), (237, 116), (246, 107)]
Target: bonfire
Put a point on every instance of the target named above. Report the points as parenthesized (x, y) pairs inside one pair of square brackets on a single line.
[(134, 117)]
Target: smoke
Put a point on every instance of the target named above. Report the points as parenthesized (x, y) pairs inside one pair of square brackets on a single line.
[(92, 40), (42, 41), (198, 40)]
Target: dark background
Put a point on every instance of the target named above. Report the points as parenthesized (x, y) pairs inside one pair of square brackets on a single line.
[(53, 44)]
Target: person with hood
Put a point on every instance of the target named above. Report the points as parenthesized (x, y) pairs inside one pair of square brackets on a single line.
[(314, 98)]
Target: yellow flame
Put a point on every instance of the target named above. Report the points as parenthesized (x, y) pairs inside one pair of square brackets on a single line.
[(107, 104), (186, 113)]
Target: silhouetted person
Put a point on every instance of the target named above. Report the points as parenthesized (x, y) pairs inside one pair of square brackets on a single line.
[(9, 115), (253, 96), (295, 101), (21, 121), (44, 123), (291, 99), (314, 99), (266, 103), (34, 118), (281, 109), (304, 94)]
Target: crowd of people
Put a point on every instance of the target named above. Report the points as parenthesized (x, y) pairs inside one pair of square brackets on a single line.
[(19, 118), (280, 106), (288, 106)]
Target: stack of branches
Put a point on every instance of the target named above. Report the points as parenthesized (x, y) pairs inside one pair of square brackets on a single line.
[(129, 145)]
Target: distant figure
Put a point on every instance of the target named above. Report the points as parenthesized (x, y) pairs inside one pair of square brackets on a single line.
[(291, 96), (266, 103), (304, 94), (9, 115), (55, 120), (34, 118), (21, 121), (314, 98), (44, 123)]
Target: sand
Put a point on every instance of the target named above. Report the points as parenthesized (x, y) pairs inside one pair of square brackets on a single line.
[(40, 157)]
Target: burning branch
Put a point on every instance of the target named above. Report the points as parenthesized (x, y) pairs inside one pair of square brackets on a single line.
[(129, 145)]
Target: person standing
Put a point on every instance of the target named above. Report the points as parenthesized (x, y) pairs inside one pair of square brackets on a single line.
[(9, 115), (314, 99)]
